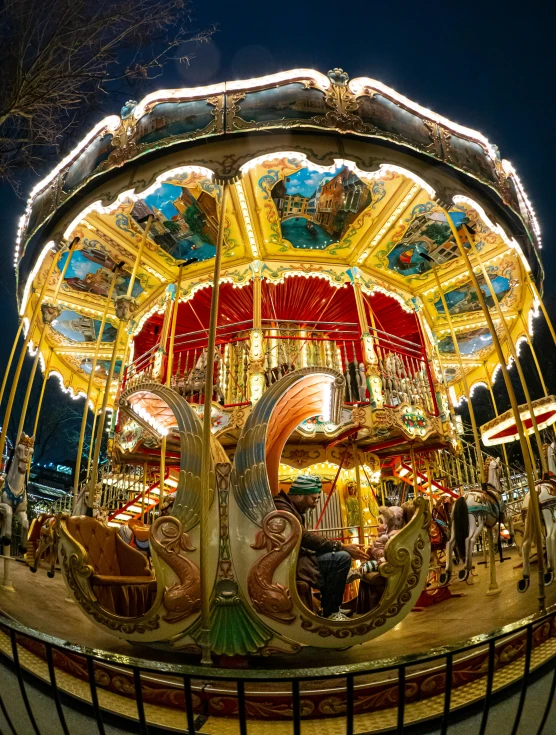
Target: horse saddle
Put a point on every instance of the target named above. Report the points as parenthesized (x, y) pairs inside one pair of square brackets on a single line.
[(141, 533)]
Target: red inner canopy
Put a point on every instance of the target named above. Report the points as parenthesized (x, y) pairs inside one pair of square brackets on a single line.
[(299, 300)]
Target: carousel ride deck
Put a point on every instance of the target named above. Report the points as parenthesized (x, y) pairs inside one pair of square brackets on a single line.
[(43, 604)]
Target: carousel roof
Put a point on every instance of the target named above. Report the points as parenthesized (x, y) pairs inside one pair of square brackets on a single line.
[(311, 205)]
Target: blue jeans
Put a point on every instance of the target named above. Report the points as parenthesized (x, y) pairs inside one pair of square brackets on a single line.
[(334, 569)]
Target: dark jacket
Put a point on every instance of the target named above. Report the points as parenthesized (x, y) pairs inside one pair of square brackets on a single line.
[(312, 544)]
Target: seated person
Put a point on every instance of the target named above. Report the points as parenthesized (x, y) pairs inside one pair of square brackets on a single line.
[(322, 563), (390, 521)]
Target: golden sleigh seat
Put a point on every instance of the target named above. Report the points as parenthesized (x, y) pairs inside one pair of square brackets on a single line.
[(121, 579)]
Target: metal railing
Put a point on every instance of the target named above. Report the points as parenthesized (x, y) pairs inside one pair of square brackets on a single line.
[(288, 346), (405, 682)]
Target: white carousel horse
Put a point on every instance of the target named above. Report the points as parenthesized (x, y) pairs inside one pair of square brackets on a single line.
[(494, 471), (195, 381), (14, 493), (477, 509), (546, 490), (551, 457)]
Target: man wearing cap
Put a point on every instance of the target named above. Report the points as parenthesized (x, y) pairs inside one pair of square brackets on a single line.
[(322, 563)]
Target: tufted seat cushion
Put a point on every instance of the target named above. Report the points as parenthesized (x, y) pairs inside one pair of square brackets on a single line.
[(121, 579)]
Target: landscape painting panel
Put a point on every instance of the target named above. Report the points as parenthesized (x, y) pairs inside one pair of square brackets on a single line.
[(316, 208), (185, 222)]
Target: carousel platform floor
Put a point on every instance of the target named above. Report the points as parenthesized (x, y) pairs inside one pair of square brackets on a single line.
[(43, 604)]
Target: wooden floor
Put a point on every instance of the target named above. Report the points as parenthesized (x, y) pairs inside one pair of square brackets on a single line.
[(44, 604)]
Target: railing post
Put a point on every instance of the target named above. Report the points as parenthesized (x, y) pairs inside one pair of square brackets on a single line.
[(447, 694), (490, 679), (525, 684), (19, 674), (401, 699), (94, 694)]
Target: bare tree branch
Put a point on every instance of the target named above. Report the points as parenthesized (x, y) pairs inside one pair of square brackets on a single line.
[(59, 63)]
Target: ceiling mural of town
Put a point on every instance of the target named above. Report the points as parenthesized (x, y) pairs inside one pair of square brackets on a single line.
[(464, 299), (185, 221), (102, 367), (90, 271), (316, 208), (79, 328), (474, 342), (427, 234)]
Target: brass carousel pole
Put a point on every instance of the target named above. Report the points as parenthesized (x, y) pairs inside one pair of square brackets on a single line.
[(41, 396), (463, 375), (164, 337), (537, 296), (534, 499), (46, 321), (169, 368), (374, 381), (356, 461), (39, 405), (90, 387), (55, 259), (256, 349), (511, 348), (145, 471), (91, 445), (504, 450), (206, 587), (23, 351), (413, 471), (534, 354), (10, 359), (123, 313)]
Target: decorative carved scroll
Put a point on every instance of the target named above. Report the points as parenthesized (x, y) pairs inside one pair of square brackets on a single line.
[(273, 599), (184, 597)]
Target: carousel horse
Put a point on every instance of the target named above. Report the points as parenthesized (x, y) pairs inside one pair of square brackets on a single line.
[(14, 493), (476, 510), (440, 524), (546, 490), (49, 534), (194, 382), (551, 457), (83, 507), (47, 547)]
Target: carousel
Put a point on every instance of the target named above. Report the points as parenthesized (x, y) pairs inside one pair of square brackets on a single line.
[(270, 297)]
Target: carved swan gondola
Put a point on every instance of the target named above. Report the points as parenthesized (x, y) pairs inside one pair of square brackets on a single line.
[(174, 542), (255, 606), (265, 541)]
